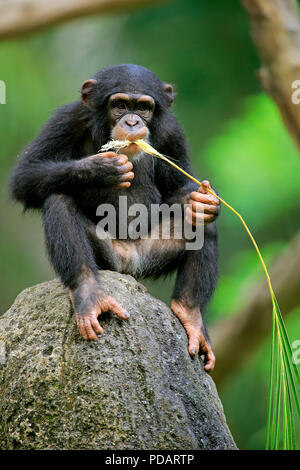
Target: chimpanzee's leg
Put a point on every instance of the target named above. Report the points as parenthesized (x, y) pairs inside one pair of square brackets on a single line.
[(196, 280), (72, 256)]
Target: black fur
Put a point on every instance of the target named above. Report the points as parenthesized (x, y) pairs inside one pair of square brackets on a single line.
[(50, 175)]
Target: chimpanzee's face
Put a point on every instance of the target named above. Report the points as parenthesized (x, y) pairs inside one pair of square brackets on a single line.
[(129, 118), (124, 98)]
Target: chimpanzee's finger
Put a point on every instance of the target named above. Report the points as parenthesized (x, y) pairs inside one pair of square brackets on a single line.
[(122, 159), (81, 326), (205, 188), (107, 154), (205, 185), (125, 168), (197, 344), (209, 357), (194, 338), (116, 308), (198, 218), (127, 176), (96, 326), (202, 217), (189, 217), (204, 198), (90, 331), (205, 208), (124, 185)]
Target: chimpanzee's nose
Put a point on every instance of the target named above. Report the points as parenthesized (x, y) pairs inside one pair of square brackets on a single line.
[(131, 121)]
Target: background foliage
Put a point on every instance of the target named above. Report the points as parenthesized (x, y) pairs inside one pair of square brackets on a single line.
[(236, 137)]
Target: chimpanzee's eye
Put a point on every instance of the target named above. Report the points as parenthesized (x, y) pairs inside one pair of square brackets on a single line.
[(143, 107), (120, 105)]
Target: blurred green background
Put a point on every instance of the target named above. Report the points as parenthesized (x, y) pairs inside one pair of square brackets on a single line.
[(236, 138)]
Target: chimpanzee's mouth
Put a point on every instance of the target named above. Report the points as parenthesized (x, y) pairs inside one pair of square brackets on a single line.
[(132, 144), (132, 150), (127, 147)]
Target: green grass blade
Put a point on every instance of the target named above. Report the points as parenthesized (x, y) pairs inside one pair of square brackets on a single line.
[(286, 340), (292, 442), (276, 399), (271, 387), (284, 406), (278, 415), (291, 434), (290, 366), (288, 412), (285, 388)]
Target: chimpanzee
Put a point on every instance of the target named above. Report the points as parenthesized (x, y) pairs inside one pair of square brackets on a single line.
[(62, 173)]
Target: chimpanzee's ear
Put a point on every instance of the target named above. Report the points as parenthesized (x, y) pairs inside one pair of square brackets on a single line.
[(170, 93), (88, 90)]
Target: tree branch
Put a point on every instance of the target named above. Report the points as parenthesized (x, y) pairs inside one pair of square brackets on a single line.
[(236, 338), (18, 17), (275, 29)]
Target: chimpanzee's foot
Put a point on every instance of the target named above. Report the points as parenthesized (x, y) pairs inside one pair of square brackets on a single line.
[(192, 322), (89, 301)]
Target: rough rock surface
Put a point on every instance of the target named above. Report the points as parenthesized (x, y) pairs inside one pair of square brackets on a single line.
[(136, 388)]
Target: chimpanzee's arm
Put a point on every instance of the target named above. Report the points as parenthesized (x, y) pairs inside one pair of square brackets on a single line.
[(46, 164), (51, 163)]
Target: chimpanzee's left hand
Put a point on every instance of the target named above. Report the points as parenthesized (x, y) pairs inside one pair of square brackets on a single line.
[(205, 206)]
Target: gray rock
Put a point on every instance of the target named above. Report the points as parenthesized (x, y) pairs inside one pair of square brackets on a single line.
[(136, 388)]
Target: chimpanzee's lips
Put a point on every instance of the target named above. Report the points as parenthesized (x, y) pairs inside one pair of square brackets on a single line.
[(131, 150), (131, 146)]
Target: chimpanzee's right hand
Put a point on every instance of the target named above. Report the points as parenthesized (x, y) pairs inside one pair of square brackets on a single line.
[(108, 168)]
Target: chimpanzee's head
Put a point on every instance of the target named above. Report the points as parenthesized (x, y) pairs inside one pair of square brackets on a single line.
[(132, 97)]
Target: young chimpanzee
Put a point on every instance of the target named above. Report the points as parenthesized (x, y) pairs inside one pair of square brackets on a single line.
[(63, 173)]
